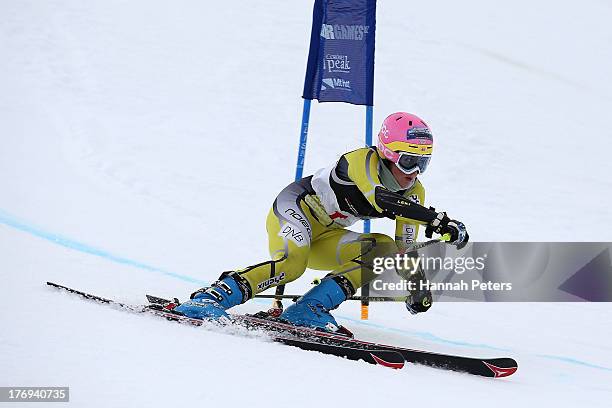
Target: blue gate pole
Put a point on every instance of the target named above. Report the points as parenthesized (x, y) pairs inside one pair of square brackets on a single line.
[(299, 171), (299, 167), (365, 289), (368, 142)]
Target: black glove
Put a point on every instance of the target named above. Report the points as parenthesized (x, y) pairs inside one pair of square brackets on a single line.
[(418, 301), (444, 225)]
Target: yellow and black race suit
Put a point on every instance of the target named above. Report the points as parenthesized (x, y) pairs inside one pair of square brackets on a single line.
[(307, 223)]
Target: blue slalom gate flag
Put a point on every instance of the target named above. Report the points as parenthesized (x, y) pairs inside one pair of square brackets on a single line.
[(341, 57)]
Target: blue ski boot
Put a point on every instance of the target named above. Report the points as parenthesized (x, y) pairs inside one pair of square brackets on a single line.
[(312, 309), (212, 302)]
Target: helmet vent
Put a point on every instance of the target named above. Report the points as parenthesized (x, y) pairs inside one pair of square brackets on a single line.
[(410, 123), (398, 118)]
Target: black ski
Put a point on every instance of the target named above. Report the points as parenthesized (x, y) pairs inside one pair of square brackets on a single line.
[(494, 367), (386, 358), (332, 343)]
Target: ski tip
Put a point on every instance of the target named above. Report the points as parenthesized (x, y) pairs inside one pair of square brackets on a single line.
[(499, 372)]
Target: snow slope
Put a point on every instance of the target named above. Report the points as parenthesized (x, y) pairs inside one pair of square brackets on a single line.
[(142, 143)]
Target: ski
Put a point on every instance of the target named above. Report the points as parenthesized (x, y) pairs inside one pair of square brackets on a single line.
[(385, 358), (493, 367), (332, 343)]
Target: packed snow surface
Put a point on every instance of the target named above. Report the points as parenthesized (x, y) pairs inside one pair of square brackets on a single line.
[(143, 142)]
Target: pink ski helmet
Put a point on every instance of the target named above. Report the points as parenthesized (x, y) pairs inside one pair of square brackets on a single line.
[(404, 139)]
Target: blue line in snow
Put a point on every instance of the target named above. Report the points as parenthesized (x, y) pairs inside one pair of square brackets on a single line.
[(426, 335), (13, 222), (573, 361)]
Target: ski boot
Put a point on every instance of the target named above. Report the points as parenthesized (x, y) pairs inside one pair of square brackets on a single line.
[(312, 309), (212, 302)]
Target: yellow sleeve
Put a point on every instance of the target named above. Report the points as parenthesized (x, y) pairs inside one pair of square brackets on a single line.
[(406, 229), (363, 170)]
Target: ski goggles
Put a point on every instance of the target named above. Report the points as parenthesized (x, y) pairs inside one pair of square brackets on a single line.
[(409, 163)]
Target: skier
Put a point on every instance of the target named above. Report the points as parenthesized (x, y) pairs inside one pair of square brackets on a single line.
[(306, 228)]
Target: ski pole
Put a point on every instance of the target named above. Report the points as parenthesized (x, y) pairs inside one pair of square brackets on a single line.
[(411, 248), (370, 298)]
